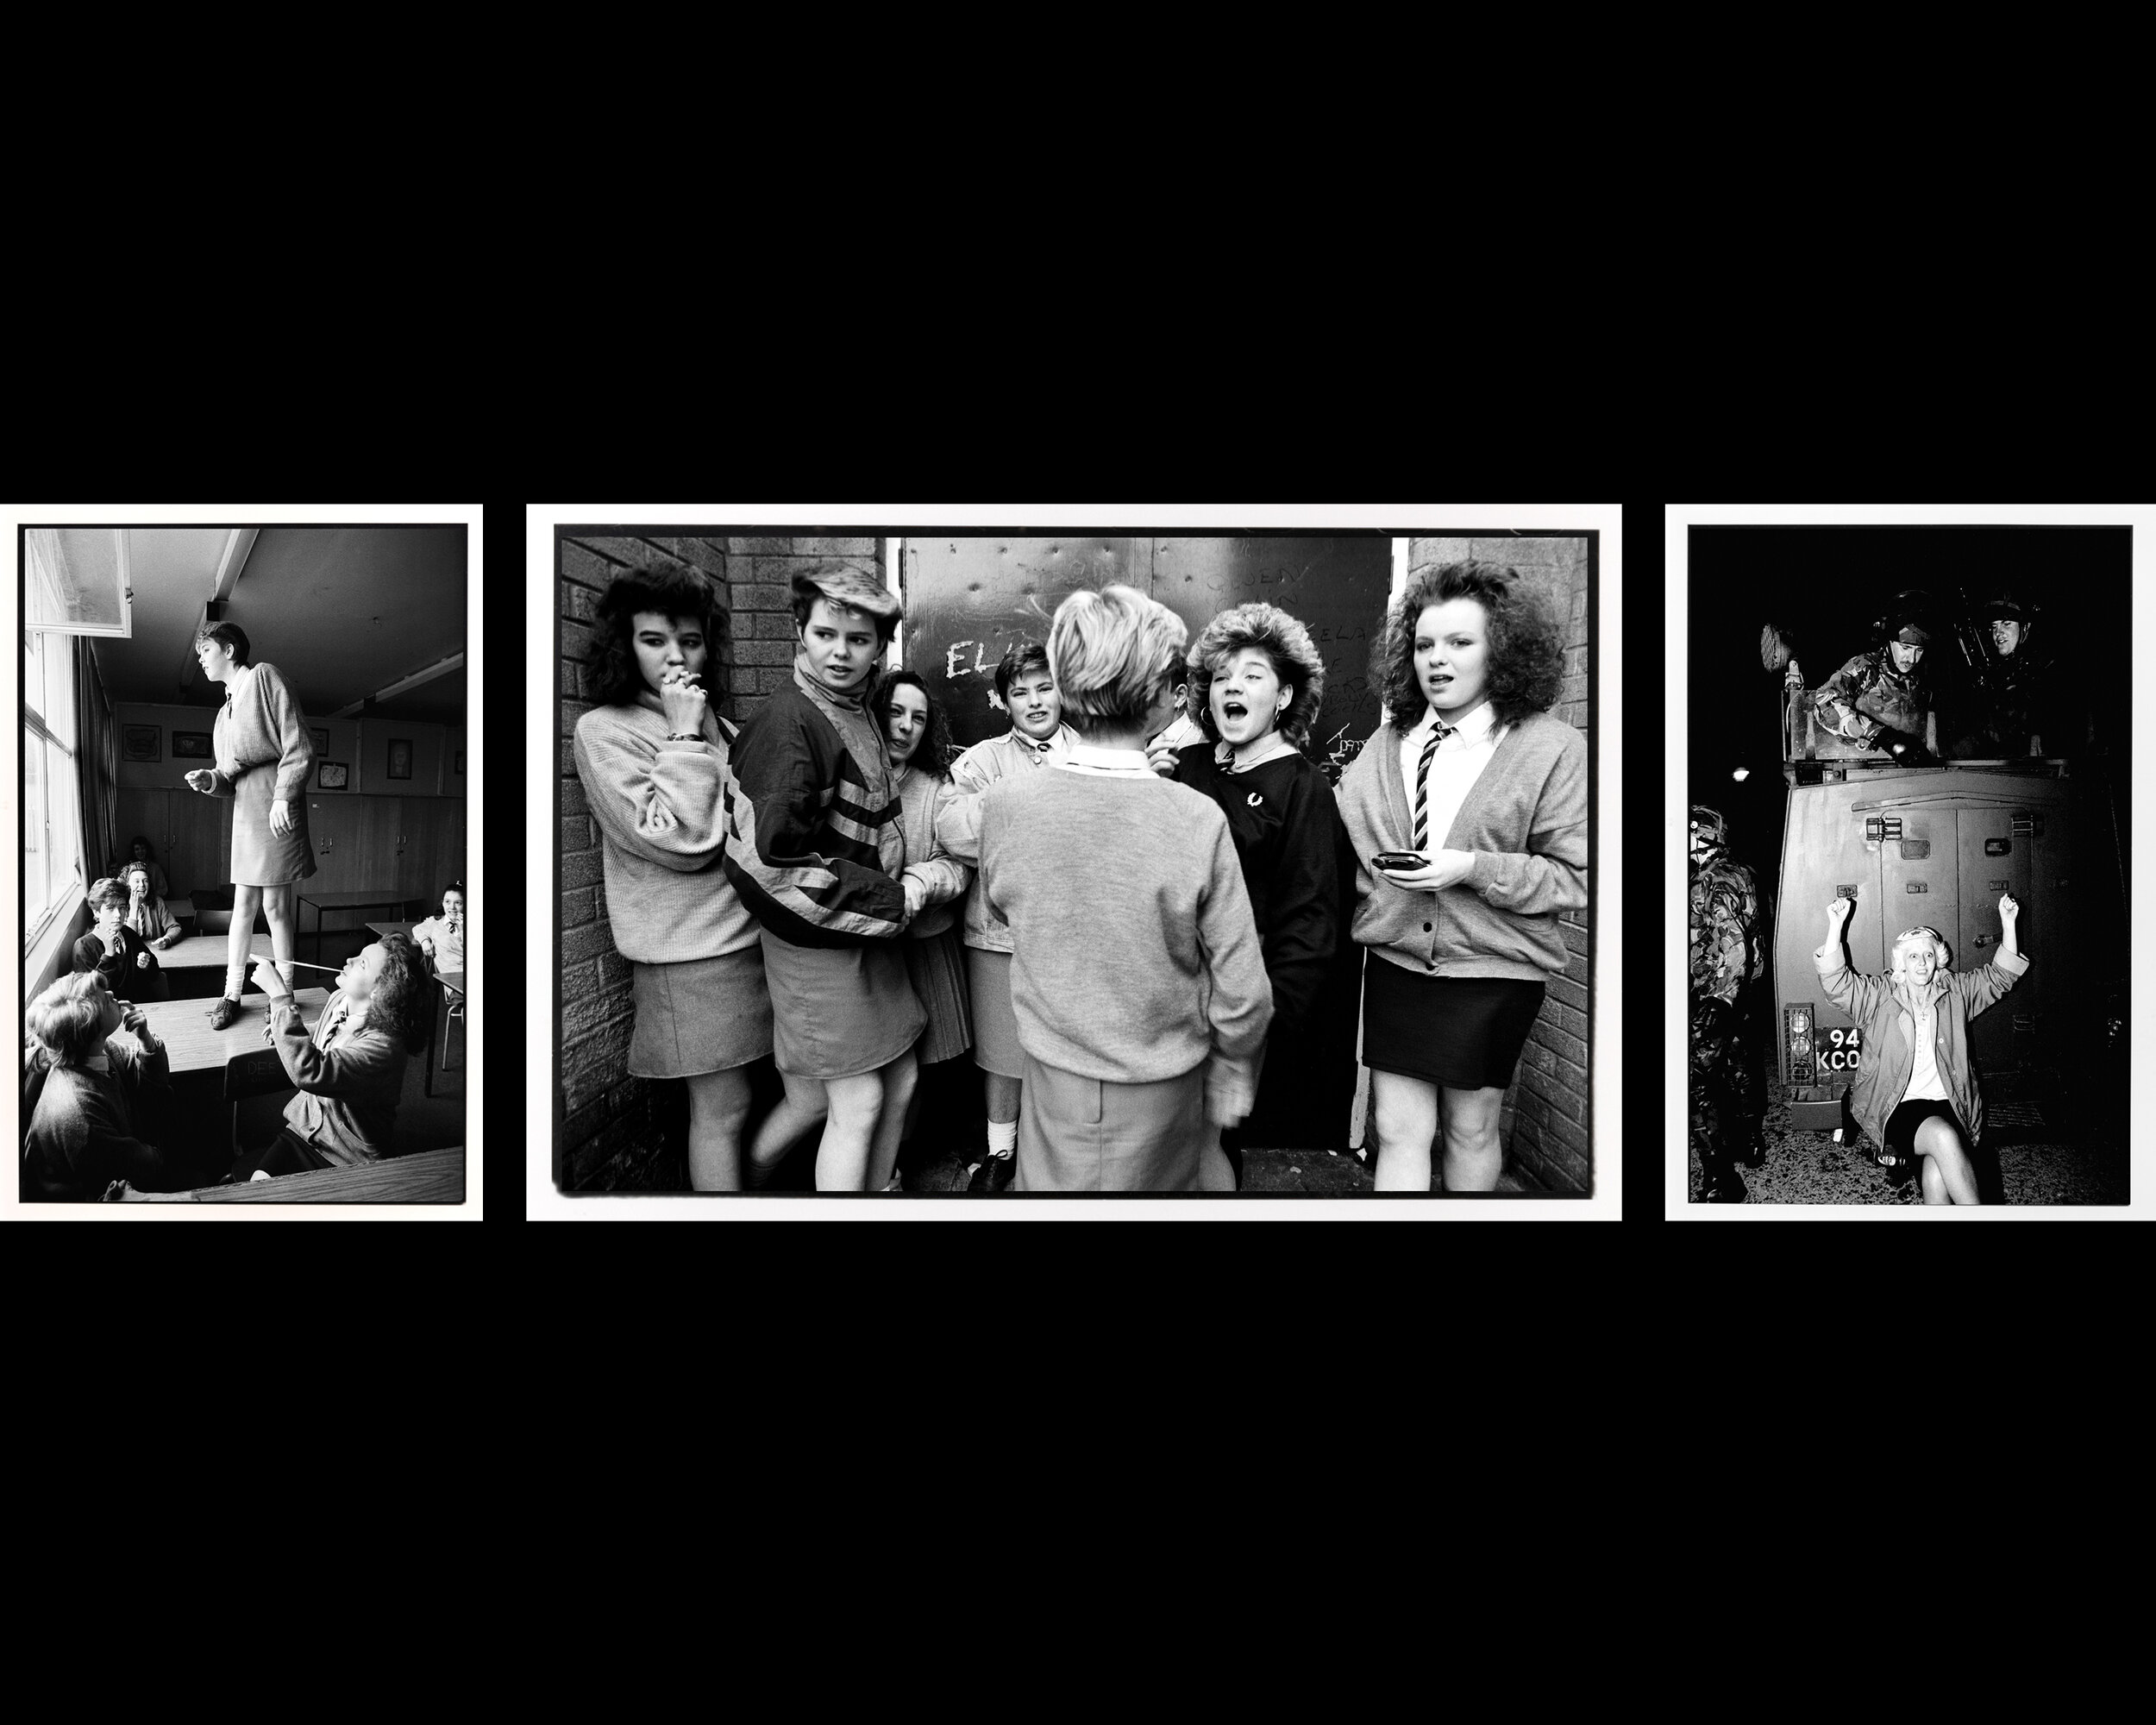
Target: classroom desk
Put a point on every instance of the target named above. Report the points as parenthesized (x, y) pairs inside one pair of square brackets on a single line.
[(430, 1176), (207, 951), (191, 1046), (346, 901), (452, 984), (179, 909), (391, 927)]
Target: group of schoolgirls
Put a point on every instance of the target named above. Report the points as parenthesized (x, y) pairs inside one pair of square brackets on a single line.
[(1158, 944)]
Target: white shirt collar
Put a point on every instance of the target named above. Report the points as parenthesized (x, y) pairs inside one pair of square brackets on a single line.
[(1473, 729), (1123, 762), (1058, 742)]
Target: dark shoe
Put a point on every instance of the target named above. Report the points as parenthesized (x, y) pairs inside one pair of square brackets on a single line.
[(1723, 1185), (225, 1012), (993, 1174)]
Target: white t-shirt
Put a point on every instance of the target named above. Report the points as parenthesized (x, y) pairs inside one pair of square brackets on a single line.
[(1453, 769), (1925, 1083)]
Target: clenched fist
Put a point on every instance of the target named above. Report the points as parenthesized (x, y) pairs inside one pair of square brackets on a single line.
[(1838, 914), (2009, 908), (685, 703)]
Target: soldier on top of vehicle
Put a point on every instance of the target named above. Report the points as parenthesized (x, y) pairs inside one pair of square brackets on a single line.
[(2014, 688), (1878, 703)]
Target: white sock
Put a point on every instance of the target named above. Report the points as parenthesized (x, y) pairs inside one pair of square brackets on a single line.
[(1003, 1138)]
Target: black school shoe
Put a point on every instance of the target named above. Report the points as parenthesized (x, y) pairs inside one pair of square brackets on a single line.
[(223, 1013), (993, 1174)]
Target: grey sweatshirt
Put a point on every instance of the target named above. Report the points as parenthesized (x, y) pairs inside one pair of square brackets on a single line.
[(1134, 954)]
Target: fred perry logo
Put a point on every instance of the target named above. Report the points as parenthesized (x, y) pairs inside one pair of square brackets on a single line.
[(1256, 800)]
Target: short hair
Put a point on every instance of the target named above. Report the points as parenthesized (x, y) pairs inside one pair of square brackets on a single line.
[(934, 752), (1114, 654), (402, 1000), (231, 635), (65, 1019), (672, 589), (1909, 937), (1524, 649), (1296, 662), (845, 586), (108, 892), (1022, 655)]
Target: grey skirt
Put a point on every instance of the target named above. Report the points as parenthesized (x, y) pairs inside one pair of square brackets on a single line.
[(935, 966), (704, 1015), (261, 857), (1085, 1135), (839, 1011)]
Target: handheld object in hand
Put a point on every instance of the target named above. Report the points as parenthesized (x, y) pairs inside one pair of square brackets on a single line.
[(1399, 859)]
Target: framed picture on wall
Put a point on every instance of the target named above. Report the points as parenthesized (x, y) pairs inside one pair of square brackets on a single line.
[(336, 775), (141, 742), (192, 745), (400, 757), (321, 740)]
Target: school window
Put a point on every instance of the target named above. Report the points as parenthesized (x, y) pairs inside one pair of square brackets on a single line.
[(51, 845)]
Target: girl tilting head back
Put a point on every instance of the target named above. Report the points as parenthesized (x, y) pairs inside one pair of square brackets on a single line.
[(1468, 815)]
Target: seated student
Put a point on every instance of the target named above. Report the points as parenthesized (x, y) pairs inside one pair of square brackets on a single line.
[(139, 852), (1137, 978), (99, 1096), (147, 914), (441, 938), (350, 1071), (115, 952)]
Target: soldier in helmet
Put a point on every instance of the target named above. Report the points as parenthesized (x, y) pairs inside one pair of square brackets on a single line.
[(2013, 686), (1878, 701), (1728, 956)]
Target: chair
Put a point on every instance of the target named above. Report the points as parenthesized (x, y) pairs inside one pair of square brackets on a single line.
[(452, 1013), (255, 1074)]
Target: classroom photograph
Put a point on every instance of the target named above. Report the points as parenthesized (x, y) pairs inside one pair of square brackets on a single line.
[(987, 865), (243, 893)]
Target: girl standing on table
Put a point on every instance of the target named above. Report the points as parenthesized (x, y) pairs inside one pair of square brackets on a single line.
[(1136, 976), (918, 737), (263, 755), (1026, 690), (816, 847), (350, 1070), (1489, 794), (146, 912), (652, 757), (1255, 681), (115, 952)]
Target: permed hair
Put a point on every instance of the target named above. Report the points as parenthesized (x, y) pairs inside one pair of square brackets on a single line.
[(934, 752), (126, 877), (63, 1019), (1524, 649), (402, 1000), (231, 635), (1114, 654), (674, 590), (108, 894), (1909, 937), (149, 851), (1284, 641), (1022, 655), (846, 588)]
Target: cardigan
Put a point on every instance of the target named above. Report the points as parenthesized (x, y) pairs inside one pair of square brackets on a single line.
[(1881, 1008), (261, 725), (943, 878), (348, 1088), (86, 1129), (1134, 955), (958, 818), (814, 841), (657, 805), (1525, 822)]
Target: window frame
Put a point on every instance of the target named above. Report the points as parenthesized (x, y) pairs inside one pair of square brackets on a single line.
[(37, 733)]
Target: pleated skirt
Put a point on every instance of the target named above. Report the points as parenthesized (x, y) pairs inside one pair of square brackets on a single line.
[(935, 968)]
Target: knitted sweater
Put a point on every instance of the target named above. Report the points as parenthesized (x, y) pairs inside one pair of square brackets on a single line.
[(958, 818), (1525, 822), (1134, 953), (657, 807), (350, 1075), (86, 1129), (942, 876), (260, 728), (815, 843)]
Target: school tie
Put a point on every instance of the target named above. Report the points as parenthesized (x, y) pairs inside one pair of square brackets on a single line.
[(1422, 782)]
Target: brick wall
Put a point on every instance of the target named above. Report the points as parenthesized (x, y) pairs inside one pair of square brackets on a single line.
[(1545, 1115), (616, 1132)]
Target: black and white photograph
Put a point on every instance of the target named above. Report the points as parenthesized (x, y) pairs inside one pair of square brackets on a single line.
[(955, 862), (240, 998), (1908, 769)]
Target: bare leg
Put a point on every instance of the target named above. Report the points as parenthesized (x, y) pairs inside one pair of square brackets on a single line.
[(1473, 1154), (718, 1104), (277, 905), (786, 1125), (1215, 1172), (842, 1160), (1942, 1148), (1407, 1122), (247, 902), (1935, 1184), (1003, 1098), (899, 1080)]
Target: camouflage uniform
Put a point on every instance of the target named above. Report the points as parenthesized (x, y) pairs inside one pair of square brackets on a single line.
[(1728, 955), (1868, 695)]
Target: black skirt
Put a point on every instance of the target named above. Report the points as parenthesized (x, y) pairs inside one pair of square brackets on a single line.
[(1464, 1032), (1902, 1124)]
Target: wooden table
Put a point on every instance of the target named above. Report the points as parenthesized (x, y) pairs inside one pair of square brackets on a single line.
[(179, 909), (207, 951), (431, 1176), (392, 927), (346, 901), (191, 1046)]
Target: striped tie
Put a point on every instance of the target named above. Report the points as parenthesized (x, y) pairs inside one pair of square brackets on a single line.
[(1422, 783)]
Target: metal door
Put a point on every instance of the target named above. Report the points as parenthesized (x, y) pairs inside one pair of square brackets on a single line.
[(1920, 875), (967, 599), (1993, 860)]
